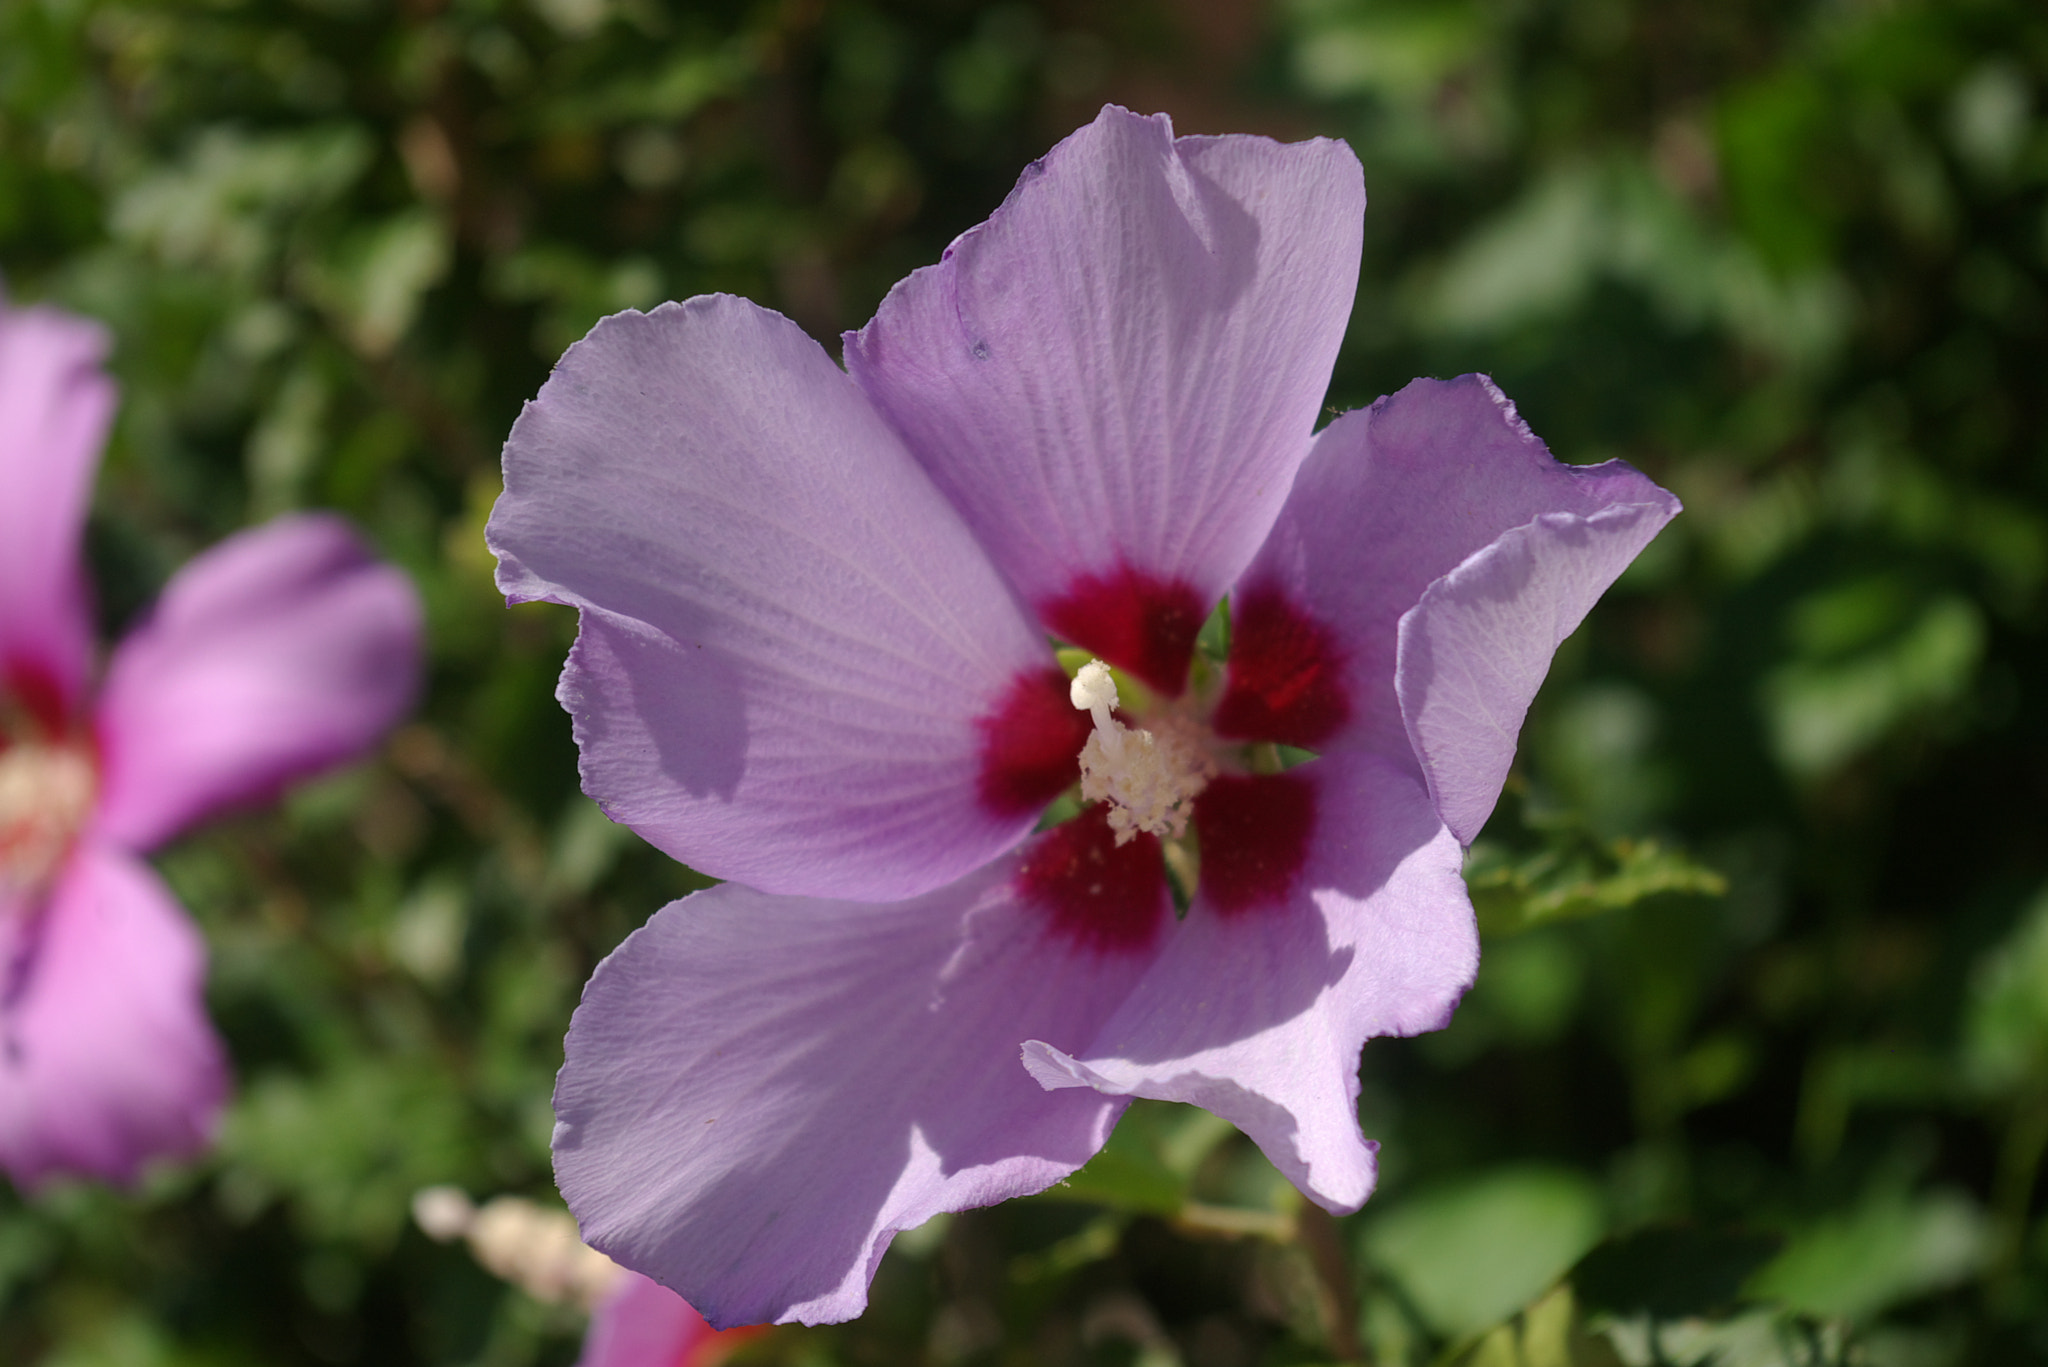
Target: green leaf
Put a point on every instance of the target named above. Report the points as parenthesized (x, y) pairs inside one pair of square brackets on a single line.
[(1671, 1271), (1148, 1164), (1889, 1249), (1579, 876), (346, 1148), (2005, 1036), (1401, 52), (374, 284), (226, 204), (1472, 1254), (1759, 1338), (1546, 1334), (1828, 705)]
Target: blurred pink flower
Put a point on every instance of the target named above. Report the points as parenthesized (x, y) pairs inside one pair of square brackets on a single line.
[(284, 649), (642, 1323)]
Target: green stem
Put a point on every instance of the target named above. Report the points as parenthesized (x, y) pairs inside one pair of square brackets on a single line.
[(2019, 1165), (1319, 1235)]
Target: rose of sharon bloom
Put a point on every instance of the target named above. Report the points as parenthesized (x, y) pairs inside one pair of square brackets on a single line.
[(280, 651), (813, 659)]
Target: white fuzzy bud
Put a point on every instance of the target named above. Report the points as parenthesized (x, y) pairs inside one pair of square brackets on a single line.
[(531, 1246)]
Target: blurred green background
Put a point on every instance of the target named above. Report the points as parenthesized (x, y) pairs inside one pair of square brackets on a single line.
[(1756, 1069)]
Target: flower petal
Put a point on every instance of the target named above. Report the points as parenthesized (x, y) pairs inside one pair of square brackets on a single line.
[(1474, 651), (1116, 375), (55, 404), (787, 637), (642, 1323), (106, 1055), (282, 650), (1395, 498), (760, 1092), (1260, 1017)]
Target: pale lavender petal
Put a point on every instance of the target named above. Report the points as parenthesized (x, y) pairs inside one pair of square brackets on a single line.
[(55, 404), (1474, 651), (106, 1056), (788, 636), (642, 1323), (1121, 369), (760, 1092), (1397, 496), (1259, 1016), (282, 650)]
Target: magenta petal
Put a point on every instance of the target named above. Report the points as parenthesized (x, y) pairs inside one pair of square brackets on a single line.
[(1120, 370), (642, 1324), (1259, 1017), (760, 1091), (55, 404), (788, 636), (106, 1055), (282, 650), (1397, 496)]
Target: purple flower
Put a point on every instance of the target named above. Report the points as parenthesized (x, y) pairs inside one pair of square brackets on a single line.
[(813, 660), (279, 651)]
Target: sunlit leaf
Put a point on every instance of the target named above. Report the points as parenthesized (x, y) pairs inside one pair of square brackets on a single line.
[(1149, 1164), (1470, 1254), (1832, 702), (2006, 1036), (1889, 1249)]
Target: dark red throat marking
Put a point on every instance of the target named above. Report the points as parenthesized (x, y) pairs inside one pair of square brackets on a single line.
[(1286, 675), (1254, 830), (35, 691), (1101, 895), (1031, 744), (1133, 620)]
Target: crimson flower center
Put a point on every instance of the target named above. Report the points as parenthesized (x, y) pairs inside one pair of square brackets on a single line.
[(1181, 762)]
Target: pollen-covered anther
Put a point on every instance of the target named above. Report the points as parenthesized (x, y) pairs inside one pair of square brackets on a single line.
[(1150, 778), (46, 791)]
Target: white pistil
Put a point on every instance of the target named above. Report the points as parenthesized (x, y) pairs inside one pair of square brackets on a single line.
[(1150, 779), (1094, 692)]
